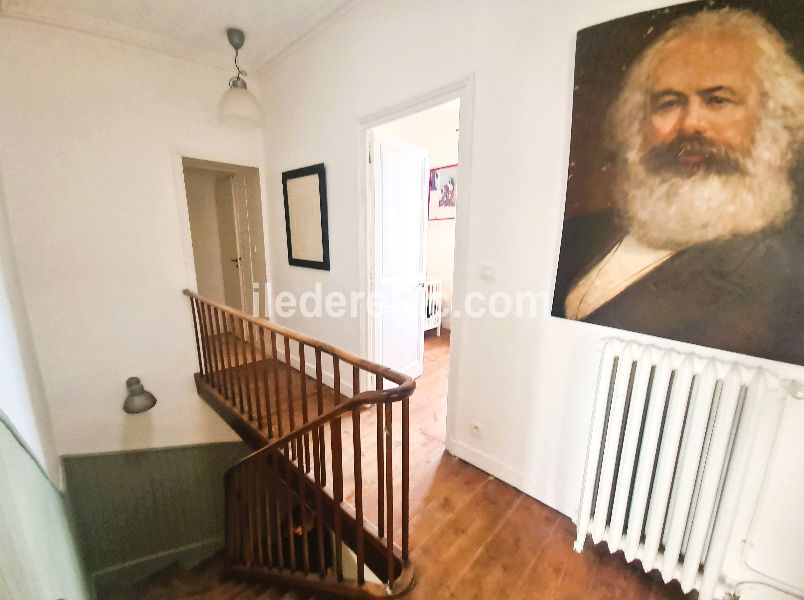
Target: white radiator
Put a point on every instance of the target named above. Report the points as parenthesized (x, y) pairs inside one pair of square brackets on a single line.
[(670, 439), (433, 299)]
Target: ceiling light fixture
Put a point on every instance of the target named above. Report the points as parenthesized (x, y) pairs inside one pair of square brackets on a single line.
[(238, 106)]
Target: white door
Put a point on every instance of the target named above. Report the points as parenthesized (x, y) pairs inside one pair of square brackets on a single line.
[(231, 258), (244, 242), (400, 180)]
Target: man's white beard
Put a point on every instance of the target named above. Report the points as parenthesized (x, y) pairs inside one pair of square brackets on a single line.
[(675, 212)]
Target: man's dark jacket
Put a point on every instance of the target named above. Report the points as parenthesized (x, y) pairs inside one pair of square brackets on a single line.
[(743, 295)]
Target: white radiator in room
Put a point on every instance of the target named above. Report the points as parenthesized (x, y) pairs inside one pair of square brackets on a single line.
[(670, 440)]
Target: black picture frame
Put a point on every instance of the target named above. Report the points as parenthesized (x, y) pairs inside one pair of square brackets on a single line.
[(320, 171)]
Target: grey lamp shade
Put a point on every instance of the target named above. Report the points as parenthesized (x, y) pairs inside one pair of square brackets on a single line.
[(138, 399), (238, 107)]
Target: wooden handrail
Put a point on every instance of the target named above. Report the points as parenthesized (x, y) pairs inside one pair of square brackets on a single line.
[(362, 363)]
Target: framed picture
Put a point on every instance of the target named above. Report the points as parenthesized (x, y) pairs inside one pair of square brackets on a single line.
[(683, 216), (305, 192), (443, 193)]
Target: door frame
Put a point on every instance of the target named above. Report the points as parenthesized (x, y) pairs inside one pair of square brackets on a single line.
[(177, 154), (463, 90)]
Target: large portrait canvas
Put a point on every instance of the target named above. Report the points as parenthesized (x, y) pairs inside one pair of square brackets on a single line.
[(683, 216)]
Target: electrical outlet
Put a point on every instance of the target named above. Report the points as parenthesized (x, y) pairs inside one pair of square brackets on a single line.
[(477, 429)]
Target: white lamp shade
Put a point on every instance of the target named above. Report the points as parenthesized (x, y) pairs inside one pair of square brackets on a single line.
[(238, 107)]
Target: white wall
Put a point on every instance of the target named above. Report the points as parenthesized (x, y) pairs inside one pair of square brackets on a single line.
[(435, 129), (22, 397), (93, 133), (203, 215), (529, 381)]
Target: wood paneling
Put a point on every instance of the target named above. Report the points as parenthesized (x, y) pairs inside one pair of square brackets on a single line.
[(132, 506)]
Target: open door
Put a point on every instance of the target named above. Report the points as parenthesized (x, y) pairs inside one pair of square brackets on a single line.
[(231, 255), (400, 189)]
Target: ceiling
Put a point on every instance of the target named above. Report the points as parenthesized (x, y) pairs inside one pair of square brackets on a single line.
[(192, 29)]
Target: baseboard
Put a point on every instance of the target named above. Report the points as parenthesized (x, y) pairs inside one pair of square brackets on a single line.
[(506, 473), (129, 573)]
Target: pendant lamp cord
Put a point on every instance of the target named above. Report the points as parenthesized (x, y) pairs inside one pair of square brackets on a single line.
[(239, 70)]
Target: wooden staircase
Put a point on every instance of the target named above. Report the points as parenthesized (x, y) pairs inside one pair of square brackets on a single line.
[(322, 501)]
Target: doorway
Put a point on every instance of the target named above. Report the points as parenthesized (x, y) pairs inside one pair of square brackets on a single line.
[(414, 196), (225, 213)]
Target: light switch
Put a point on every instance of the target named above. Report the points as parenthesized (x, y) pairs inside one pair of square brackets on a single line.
[(487, 272)]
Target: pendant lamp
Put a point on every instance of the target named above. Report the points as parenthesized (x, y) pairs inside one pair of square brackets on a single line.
[(238, 107)]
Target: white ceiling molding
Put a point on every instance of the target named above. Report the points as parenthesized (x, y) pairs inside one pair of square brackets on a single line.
[(212, 55), (14, 9), (325, 23)]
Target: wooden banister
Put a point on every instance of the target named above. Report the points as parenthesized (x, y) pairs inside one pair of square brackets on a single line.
[(292, 507), (362, 363)]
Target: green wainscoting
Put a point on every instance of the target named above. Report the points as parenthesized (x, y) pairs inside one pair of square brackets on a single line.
[(38, 557), (137, 512)]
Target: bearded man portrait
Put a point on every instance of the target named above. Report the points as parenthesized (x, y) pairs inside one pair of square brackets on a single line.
[(702, 240)]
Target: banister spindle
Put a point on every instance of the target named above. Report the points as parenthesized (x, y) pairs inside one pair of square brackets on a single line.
[(205, 372), (193, 309), (289, 500), (254, 381), (216, 354), (234, 362), (227, 358), (303, 516), (265, 383), (319, 391), (405, 479), (380, 463), (319, 523), (389, 485), (305, 458), (277, 393), (245, 368), (337, 470), (358, 476), (291, 406)]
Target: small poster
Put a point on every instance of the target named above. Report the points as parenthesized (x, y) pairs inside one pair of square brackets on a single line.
[(443, 193)]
